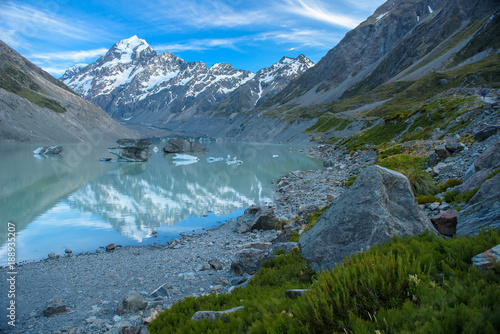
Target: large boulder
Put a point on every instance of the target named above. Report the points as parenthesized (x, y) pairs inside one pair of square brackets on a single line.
[(483, 210), (133, 301), (446, 222), (247, 261), (486, 163), (256, 218), (377, 206), (179, 145), (485, 132), (143, 143)]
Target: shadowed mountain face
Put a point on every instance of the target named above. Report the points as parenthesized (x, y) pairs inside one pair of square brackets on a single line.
[(399, 36), (35, 107), (135, 85)]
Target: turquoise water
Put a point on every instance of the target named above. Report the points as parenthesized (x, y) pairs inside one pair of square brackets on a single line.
[(76, 201)]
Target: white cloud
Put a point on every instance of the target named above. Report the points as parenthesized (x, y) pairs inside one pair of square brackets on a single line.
[(55, 71), (32, 22), (204, 14), (73, 56), (316, 10), (310, 38), (202, 44)]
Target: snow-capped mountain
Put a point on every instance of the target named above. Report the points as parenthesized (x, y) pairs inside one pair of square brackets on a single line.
[(134, 84), (266, 83)]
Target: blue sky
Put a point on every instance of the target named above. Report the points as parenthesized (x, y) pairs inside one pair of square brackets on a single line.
[(248, 34)]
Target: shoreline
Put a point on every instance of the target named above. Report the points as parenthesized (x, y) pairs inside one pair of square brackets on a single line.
[(93, 285)]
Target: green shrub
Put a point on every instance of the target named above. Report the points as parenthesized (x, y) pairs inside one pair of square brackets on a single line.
[(422, 284), (410, 166), (421, 182), (362, 285), (454, 197), (263, 298), (448, 184), (419, 284), (428, 199)]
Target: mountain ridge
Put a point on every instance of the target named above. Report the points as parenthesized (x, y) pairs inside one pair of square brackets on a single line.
[(134, 84)]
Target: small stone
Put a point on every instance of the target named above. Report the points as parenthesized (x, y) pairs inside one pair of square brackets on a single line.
[(216, 264), (68, 251), (221, 281), (54, 307), (213, 315), (434, 206), (294, 293), (205, 267), (330, 198), (53, 256), (134, 301), (111, 247)]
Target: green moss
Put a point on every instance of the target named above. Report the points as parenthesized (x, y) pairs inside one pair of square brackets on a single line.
[(312, 218), (350, 181), (295, 236)]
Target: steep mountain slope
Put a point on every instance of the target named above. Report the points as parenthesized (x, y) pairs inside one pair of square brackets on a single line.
[(136, 85), (400, 35), (36, 107)]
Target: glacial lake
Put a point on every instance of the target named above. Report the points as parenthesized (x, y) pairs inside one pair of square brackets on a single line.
[(75, 201)]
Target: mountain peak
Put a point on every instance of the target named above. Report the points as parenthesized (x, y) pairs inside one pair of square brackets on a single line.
[(131, 45)]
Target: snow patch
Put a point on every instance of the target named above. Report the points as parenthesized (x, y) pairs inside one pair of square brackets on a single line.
[(381, 16), (430, 9)]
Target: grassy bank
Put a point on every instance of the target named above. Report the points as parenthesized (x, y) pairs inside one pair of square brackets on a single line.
[(421, 284)]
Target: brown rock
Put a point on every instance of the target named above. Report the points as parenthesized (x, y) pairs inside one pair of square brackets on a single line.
[(446, 222)]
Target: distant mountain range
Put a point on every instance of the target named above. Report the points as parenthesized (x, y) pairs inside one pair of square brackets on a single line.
[(134, 84), (377, 67)]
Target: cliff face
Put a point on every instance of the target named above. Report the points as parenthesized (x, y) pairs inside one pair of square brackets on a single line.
[(35, 107)]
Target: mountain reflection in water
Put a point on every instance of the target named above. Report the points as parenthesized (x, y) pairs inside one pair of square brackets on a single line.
[(93, 203)]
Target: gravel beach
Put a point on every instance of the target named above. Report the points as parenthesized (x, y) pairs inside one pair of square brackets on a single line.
[(92, 286)]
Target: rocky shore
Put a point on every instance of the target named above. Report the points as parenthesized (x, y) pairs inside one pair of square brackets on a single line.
[(88, 293), (121, 290)]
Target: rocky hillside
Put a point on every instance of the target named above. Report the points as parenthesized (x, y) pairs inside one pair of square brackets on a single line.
[(35, 107), (134, 84), (403, 40)]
